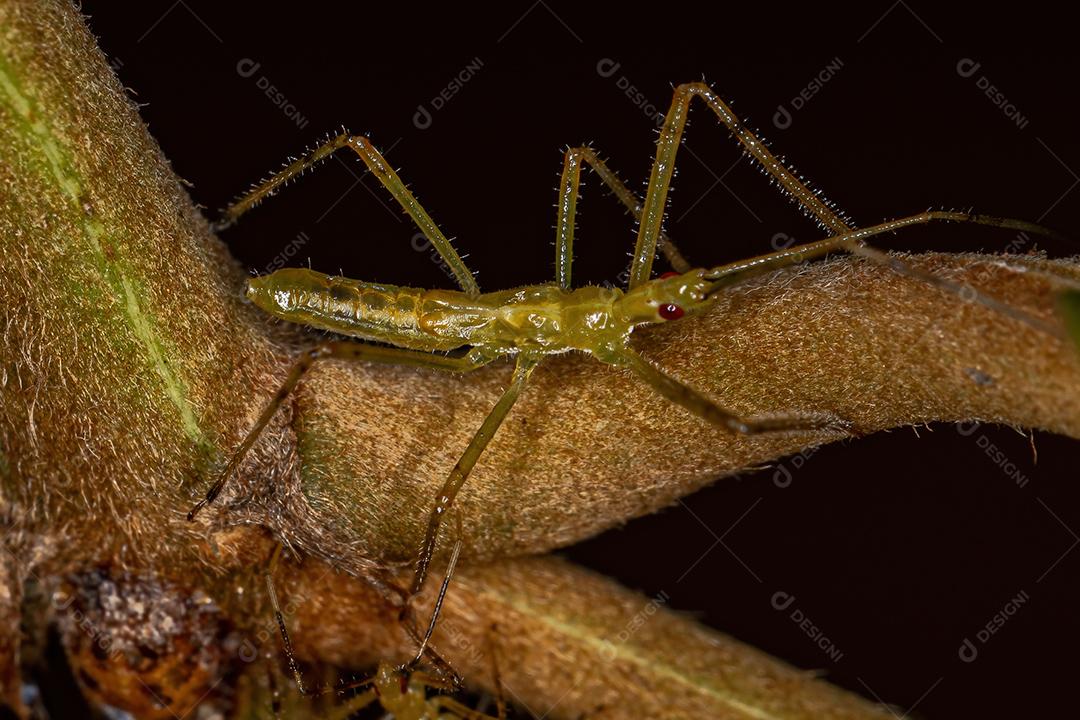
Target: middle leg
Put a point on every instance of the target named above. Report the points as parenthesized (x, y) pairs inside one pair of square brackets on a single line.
[(450, 488)]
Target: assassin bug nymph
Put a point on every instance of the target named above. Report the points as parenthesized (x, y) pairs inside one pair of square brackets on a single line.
[(532, 322)]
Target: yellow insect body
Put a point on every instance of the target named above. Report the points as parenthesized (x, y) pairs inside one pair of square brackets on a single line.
[(536, 319)]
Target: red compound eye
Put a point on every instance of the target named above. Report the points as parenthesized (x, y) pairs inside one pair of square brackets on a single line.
[(665, 276), (671, 312)]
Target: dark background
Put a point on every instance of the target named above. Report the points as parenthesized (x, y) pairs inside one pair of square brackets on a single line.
[(896, 547)]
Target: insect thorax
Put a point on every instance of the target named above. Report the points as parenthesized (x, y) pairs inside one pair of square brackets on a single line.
[(545, 319)]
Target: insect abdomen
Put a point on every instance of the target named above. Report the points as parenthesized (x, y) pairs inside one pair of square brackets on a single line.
[(386, 313)]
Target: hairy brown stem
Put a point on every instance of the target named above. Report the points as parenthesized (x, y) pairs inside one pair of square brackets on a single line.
[(569, 643)]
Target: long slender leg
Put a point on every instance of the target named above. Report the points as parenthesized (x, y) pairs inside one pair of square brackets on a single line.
[(286, 642), (853, 242), (290, 658), (667, 146), (706, 409), (352, 705), (386, 175), (569, 191), (445, 499), (438, 604), (448, 703), (346, 351)]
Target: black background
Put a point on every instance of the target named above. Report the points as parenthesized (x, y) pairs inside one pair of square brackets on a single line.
[(896, 547)]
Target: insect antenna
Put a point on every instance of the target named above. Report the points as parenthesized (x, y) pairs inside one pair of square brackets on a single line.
[(853, 242)]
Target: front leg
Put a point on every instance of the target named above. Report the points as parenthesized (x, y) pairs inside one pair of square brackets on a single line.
[(570, 191), (663, 169)]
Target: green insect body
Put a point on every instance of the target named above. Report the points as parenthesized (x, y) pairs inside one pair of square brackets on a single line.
[(538, 319)]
